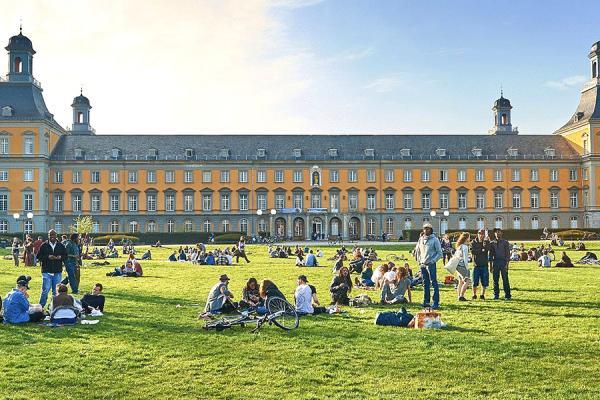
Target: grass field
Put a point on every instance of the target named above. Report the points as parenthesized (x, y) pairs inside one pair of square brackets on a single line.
[(545, 343)]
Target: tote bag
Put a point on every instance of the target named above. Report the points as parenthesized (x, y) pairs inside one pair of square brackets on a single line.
[(453, 262)]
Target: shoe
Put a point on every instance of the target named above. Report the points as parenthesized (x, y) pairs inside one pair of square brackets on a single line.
[(507, 298), (435, 307), (462, 298), (382, 302), (425, 305), (474, 297), (496, 298), (482, 297)]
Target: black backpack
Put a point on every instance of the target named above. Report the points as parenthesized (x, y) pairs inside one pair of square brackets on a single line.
[(389, 318)]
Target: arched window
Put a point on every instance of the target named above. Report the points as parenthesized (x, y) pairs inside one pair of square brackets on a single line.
[(244, 225), (207, 226), (443, 225), (498, 223), (170, 226), (407, 223), (371, 226), (262, 226), (504, 119), (151, 226), (554, 222), (462, 223), (573, 223), (594, 69), (95, 227), (480, 223), (389, 226), (226, 225), (535, 222), (133, 226), (18, 65), (517, 223), (80, 117), (188, 226), (114, 226)]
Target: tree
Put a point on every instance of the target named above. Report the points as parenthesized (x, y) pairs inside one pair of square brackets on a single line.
[(83, 224)]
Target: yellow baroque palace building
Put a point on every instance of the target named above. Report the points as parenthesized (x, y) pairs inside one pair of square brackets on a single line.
[(308, 186)]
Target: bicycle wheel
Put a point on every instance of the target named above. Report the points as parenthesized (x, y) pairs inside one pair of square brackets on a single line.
[(282, 313)]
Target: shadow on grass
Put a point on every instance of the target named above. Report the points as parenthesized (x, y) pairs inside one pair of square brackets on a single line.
[(559, 303), (543, 290)]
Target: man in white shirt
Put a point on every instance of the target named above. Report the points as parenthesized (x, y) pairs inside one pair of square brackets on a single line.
[(303, 296), (545, 261)]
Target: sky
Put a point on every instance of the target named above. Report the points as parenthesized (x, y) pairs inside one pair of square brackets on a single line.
[(308, 66)]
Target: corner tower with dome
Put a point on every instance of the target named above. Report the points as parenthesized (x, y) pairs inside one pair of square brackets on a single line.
[(299, 186)]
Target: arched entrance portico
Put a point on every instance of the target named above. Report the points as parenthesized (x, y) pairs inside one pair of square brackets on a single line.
[(354, 228), (317, 228), (335, 227), (280, 227), (299, 230)]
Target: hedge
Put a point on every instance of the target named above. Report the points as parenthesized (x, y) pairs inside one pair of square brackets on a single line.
[(170, 238)]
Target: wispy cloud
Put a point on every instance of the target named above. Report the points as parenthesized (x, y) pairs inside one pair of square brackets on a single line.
[(448, 51), (295, 3), (566, 83), (385, 84), (356, 54)]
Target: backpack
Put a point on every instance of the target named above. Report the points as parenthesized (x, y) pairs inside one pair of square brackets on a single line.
[(389, 318), (362, 300)]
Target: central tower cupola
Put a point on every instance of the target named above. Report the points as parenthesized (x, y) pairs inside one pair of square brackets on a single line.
[(20, 58), (81, 116), (502, 121)]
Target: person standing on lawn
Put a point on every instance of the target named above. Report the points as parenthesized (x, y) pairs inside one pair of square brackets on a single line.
[(52, 255), (500, 253), (428, 252), (480, 249), (241, 250), (72, 263)]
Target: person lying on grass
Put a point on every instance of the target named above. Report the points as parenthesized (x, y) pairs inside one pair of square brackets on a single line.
[(17, 309), (340, 286), (220, 299), (94, 300)]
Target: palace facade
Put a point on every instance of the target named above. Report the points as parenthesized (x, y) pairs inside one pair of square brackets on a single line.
[(298, 186)]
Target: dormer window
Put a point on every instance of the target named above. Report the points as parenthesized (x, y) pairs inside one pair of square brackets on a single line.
[(297, 153), (7, 111), (476, 152), (512, 152), (261, 153), (224, 153), (441, 152), (549, 152), (153, 153), (189, 153), (115, 153), (369, 152), (578, 116), (78, 154), (405, 152), (332, 152)]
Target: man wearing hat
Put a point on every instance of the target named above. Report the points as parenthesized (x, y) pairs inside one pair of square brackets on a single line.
[(303, 296), (220, 298), (428, 252), (17, 309), (480, 249)]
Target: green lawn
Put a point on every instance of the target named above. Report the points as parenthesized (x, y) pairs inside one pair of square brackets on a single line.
[(545, 343)]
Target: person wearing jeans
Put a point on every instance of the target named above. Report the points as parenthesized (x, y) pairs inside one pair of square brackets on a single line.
[(500, 252), (428, 251), (72, 263), (52, 255)]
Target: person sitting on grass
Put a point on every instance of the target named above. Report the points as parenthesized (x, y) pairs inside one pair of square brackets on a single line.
[(173, 257), (356, 265), (94, 300), (182, 256), (565, 261), (378, 274), (269, 289), (250, 294), (339, 263), (220, 299), (62, 298), (131, 268), (366, 276), (398, 290), (299, 260), (320, 253), (113, 253), (147, 255), (311, 260), (580, 246), (210, 258), (303, 296), (545, 261), (17, 309), (340, 287)]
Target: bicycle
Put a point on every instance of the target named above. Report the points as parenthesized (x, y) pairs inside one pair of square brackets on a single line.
[(279, 312), (394, 257)]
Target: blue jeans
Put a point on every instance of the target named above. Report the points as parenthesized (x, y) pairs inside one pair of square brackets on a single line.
[(71, 267), (429, 274), (49, 281)]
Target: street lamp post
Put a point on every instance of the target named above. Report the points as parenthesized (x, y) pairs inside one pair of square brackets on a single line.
[(259, 212), (433, 214), (272, 222), (29, 217)]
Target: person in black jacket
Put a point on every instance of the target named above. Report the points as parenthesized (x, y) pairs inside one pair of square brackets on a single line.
[(480, 249), (340, 287), (52, 255)]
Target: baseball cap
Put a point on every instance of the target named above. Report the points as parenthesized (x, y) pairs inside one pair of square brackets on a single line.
[(23, 280), (427, 225), (224, 278), (303, 278)]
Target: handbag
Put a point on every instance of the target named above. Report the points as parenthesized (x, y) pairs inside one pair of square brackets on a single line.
[(453, 262)]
